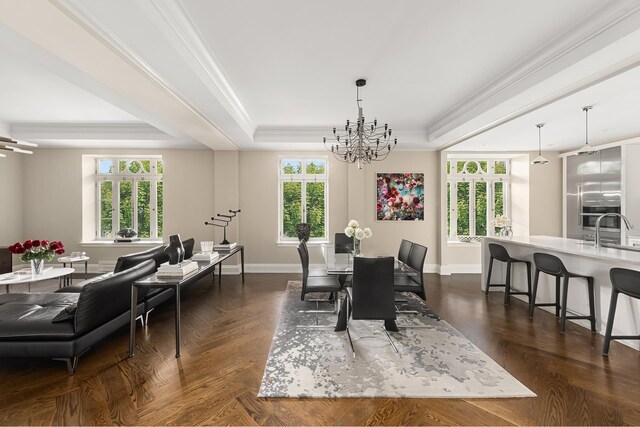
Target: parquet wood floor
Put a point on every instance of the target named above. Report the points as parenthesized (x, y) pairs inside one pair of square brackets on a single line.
[(227, 333)]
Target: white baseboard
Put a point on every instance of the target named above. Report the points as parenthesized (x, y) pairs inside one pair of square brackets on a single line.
[(449, 269)]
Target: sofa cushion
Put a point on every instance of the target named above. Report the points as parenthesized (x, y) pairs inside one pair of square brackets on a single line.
[(29, 316), (106, 299)]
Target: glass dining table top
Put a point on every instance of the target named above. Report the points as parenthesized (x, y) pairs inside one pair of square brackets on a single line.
[(342, 263)]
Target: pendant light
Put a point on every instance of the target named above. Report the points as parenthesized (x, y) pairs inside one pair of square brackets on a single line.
[(539, 160), (586, 149)]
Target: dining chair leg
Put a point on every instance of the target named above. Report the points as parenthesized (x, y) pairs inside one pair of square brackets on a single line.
[(393, 345), (529, 280)]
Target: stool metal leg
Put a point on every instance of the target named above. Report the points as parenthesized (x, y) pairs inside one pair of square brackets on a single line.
[(592, 305), (557, 296), (507, 284), (486, 291), (612, 315), (532, 299), (529, 280), (565, 290)]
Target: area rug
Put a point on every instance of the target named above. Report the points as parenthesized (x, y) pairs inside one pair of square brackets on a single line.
[(433, 362)]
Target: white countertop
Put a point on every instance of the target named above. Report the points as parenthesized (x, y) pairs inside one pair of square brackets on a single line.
[(571, 246)]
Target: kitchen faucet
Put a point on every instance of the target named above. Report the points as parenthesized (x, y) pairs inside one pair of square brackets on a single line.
[(626, 223)]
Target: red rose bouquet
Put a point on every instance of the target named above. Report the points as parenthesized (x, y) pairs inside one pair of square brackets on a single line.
[(33, 250)]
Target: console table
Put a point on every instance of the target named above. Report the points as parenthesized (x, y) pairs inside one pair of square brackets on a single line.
[(153, 281)]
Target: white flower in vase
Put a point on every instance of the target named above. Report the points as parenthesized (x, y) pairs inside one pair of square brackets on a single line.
[(354, 224), (349, 231), (360, 234), (367, 232)]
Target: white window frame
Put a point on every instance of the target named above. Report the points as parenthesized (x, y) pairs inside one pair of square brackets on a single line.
[(491, 178), (116, 177), (303, 178)]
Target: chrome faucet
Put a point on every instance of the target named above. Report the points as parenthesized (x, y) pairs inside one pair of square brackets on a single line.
[(626, 223)]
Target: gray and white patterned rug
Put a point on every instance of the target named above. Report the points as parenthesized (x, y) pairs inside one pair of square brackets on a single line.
[(434, 362)]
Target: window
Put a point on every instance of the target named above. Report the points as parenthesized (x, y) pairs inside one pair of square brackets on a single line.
[(477, 192), (129, 194), (303, 197)]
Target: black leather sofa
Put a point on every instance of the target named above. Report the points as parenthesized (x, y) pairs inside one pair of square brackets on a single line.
[(64, 325), (28, 324)]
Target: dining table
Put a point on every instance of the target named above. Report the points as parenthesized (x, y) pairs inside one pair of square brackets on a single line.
[(341, 264)]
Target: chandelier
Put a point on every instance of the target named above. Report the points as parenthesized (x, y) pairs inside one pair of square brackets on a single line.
[(361, 142), (8, 144)]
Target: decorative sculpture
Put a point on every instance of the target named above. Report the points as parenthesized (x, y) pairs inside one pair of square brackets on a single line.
[(175, 250), (226, 220)]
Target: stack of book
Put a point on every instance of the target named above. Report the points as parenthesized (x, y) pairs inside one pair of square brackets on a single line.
[(177, 270), (225, 247), (205, 256)]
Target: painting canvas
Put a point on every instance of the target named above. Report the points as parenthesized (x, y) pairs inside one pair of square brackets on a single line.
[(400, 197)]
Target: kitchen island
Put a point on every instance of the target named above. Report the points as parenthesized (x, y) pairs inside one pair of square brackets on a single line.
[(579, 257)]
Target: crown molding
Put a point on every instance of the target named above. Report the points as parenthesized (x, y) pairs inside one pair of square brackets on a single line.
[(407, 139), (88, 131), (79, 13), (536, 66), (204, 63)]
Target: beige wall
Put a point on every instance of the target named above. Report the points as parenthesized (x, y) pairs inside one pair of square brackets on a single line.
[(53, 196), (12, 197), (201, 183), (545, 196)]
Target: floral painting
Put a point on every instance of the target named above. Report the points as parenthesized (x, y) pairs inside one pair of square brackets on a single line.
[(400, 197)]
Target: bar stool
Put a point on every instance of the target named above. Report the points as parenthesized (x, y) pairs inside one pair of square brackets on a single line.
[(499, 253), (553, 266), (622, 281)]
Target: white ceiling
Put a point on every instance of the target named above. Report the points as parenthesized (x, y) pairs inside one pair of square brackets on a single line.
[(33, 94), (295, 63), (250, 74), (615, 116)]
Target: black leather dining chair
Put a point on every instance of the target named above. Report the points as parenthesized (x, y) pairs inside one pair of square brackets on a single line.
[(413, 283), (404, 251), (371, 296), (322, 284), (343, 244)]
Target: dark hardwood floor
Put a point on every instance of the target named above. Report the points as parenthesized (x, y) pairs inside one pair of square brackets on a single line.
[(227, 333)]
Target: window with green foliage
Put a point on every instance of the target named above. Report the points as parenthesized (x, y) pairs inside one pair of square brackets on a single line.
[(129, 195), (303, 197), (477, 192)]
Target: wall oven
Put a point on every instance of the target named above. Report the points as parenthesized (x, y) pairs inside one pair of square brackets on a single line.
[(609, 226)]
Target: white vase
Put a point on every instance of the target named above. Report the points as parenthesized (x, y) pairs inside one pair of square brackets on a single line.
[(37, 267)]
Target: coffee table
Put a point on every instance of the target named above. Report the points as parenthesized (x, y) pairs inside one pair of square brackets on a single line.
[(20, 277), (70, 260)]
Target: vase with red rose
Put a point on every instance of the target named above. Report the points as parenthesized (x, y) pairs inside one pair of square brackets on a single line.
[(36, 252)]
